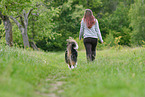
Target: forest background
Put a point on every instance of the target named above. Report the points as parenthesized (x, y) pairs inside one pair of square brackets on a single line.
[(46, 24)]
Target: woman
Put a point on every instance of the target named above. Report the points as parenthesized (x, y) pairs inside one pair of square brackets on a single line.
[(90, 31)]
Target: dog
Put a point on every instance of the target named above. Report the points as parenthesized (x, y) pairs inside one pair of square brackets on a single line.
[(71, 53)]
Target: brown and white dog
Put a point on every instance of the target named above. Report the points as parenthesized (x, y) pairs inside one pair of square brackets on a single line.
[(71, 53)]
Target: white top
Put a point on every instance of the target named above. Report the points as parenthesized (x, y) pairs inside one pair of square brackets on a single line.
[(93, 32)]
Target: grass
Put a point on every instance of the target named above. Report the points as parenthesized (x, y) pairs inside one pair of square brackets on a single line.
[(114, 73)]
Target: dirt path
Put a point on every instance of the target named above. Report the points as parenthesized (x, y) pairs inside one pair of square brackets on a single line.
[(54, 89)]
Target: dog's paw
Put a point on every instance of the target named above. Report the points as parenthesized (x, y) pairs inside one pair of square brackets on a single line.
[(76, 65), (72, 67), (69, 66)]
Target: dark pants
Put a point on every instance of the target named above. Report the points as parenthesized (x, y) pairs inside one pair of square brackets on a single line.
[(90, 45)]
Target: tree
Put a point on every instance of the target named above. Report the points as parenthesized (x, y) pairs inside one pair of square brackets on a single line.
[(137, 18), (23, 26), (8, 29), (42, 27), (66, 18), (17, 9)]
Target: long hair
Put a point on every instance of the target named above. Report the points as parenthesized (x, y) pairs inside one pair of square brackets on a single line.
[(89, 18)]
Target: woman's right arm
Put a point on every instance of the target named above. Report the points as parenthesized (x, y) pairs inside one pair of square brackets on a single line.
[(98, 31), (81, 30)]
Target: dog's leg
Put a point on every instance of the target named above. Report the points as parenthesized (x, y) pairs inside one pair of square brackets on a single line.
[(69, 66), (71, 62), (76, 65)]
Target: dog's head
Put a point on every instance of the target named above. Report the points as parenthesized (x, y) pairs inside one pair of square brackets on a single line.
[(73, 42)]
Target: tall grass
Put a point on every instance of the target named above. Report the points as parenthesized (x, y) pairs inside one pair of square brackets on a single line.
[(114, 73), (21, 71)]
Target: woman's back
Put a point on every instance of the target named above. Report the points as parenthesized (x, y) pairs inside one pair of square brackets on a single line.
[(93, 32)]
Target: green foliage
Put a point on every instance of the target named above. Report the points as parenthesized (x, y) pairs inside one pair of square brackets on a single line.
[(2, 34), (66, 24), (15, 7), (17, 37), (125, 36), (143, 45), (42, 26), (57, 20), (118, 24), (11, 7), (80, 44), (137, 19), (109, 40), (119, 18), (94, 5), (109, 6)]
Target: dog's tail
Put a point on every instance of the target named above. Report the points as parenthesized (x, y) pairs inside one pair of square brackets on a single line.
[(73, 42), (69, 51)]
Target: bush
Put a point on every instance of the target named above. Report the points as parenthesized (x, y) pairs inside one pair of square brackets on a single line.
[(137, 19), (80, 44), (109, 40)]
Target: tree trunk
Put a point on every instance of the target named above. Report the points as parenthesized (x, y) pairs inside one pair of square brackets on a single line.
[(25, 37), (88, 3), (23, 26), (23, 30), (8, 30), (33, 45)]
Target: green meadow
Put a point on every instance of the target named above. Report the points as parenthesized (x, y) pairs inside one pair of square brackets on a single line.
[(114, 73)]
